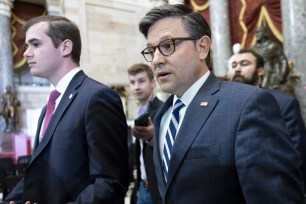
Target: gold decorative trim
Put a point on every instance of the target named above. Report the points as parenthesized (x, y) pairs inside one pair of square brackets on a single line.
[(264, 15), (242, 24), (20, 63), (199, 7), (19, 20)]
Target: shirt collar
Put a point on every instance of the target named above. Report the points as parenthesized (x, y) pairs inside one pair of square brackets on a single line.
[(64, 82)]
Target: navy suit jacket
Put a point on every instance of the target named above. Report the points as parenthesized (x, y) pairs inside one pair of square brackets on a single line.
[(291, 112), (234, 150), (83, 156)]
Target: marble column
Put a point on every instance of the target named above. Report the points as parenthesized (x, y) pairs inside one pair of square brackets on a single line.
[(221, 44), (294, 32), (55, 7), (6, 54)]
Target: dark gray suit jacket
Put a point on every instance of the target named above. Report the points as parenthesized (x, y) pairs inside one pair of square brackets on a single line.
[(83, 155), (291, 112), (235, 150), (153, 108)]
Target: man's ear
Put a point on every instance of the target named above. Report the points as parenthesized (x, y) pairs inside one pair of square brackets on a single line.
[(261, 71), (66, 47), (204, 44)]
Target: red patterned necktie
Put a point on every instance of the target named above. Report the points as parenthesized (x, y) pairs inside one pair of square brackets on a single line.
[(50, 109)]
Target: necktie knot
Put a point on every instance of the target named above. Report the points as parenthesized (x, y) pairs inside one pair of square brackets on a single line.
[(54, 95), (176, 109)]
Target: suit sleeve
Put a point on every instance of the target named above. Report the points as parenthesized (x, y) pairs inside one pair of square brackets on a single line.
[(295, 124), (16, 194), (266, 162), (106, 131)]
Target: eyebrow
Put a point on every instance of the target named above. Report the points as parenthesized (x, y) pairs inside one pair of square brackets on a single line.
[(32, 40), (160, 40)]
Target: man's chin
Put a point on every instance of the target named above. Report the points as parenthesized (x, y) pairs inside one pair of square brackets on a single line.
[(239, 79)]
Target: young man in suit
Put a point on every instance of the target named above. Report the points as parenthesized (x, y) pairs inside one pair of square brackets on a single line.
[(247, 66), (81, 156), (225, 144), (142, 84)]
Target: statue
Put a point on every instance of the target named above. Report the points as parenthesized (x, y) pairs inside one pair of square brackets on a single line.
[(10, 103), (277, 68)]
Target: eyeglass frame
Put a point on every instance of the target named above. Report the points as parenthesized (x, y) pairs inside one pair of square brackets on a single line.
[(173, 42)]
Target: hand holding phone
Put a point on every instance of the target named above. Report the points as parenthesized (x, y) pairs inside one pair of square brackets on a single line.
[(142, 120)]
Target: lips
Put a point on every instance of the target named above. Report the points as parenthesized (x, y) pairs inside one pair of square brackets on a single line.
[(162, 74), (31, 64)]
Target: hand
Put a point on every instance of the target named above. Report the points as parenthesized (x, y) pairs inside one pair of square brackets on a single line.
[(144, 133)]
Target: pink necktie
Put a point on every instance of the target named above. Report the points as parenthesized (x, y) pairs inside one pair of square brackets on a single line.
[(50, 109)]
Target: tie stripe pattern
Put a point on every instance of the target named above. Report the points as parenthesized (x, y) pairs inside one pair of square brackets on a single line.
[(170, 136)]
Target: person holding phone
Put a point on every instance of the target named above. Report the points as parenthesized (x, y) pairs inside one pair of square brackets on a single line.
[(142, 84)]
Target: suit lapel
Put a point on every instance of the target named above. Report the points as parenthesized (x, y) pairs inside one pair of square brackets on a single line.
[(196, 115), (65, 102), (39, 125)]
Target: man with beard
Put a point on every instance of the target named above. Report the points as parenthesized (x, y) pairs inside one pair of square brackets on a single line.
[(247, 67)]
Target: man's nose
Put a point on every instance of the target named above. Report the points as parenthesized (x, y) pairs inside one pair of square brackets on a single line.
[(157, 57)]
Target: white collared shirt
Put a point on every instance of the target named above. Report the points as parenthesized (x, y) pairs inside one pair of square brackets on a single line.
[(62, 86), (186, 99)]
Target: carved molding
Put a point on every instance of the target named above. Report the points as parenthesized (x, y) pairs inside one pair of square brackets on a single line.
[(7, 2), (5, 7)]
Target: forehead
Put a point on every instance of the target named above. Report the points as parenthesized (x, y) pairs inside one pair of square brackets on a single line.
[(244, 56), (37, 30), (139, 76), (166, 28)]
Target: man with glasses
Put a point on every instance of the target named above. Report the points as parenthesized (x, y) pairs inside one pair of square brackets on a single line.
[(215, 141)]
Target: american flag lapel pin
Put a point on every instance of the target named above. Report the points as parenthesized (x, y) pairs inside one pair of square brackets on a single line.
[(204, 103)]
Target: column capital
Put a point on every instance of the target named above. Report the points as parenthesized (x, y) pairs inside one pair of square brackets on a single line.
[(176, 1), (5, 7), (55, 7)]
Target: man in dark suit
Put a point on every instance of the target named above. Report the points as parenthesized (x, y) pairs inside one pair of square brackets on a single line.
[(81, 157), (247, 66), (230, 146), (142, 84)]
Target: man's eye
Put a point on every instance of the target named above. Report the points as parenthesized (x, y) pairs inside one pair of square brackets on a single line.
[(234, 65), (246, 63), (166, 46)]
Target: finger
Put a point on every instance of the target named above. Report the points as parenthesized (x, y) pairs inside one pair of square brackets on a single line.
[(150, 122)]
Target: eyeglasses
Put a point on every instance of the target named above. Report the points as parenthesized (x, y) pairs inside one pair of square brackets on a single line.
[(165, 47)]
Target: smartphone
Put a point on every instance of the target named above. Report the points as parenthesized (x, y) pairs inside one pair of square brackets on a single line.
[(142, 120)]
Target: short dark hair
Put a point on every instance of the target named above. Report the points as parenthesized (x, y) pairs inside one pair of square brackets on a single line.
[(60, 29), (259, 59), (194, 23), (141, 67)]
